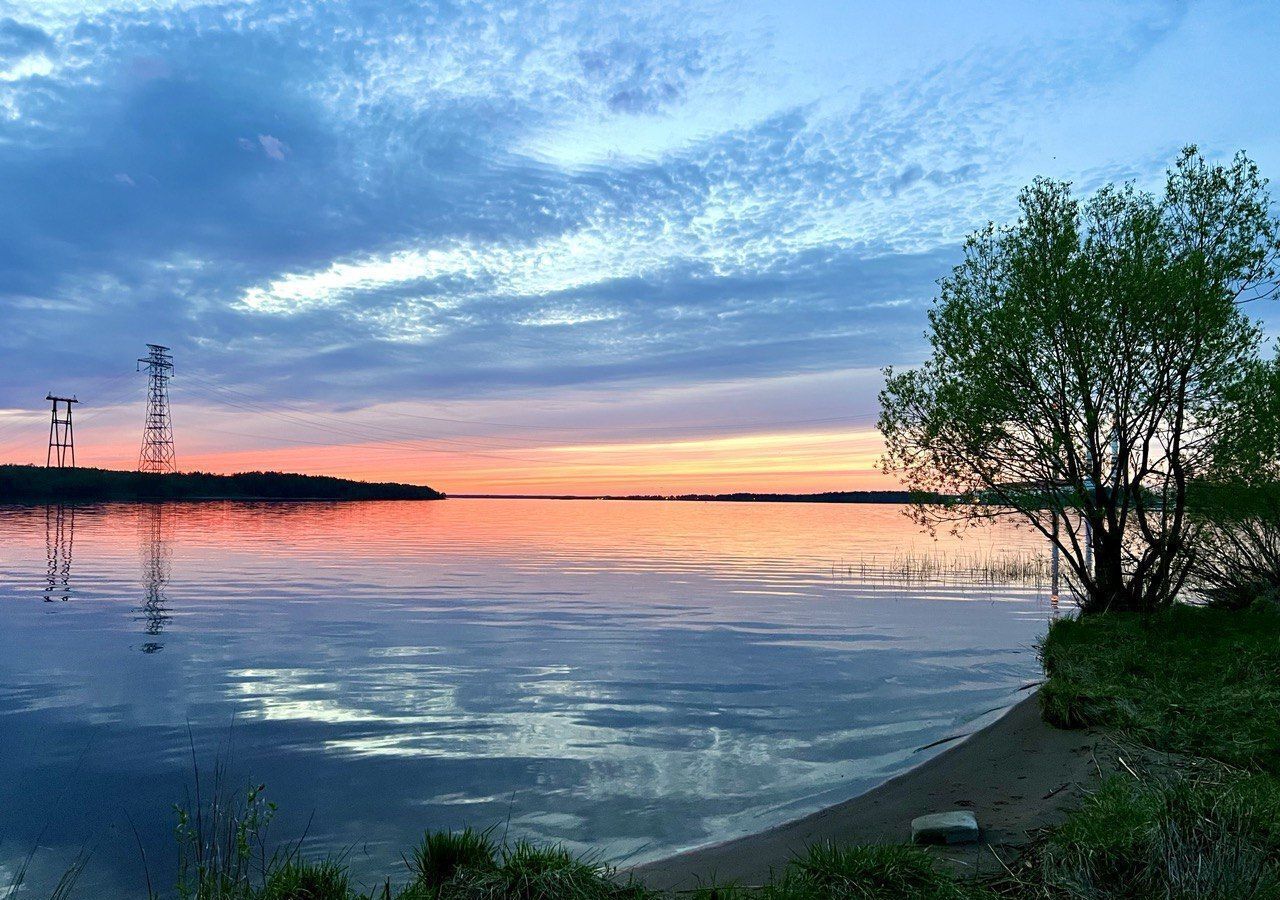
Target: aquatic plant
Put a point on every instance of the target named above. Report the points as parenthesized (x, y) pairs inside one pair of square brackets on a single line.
[(987, 567)]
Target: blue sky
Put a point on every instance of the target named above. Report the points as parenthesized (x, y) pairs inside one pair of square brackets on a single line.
[(589, 221)]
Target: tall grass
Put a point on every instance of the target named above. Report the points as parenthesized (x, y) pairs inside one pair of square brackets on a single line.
[(1202, 832), (868, 873), (1022, 567), (442, 854)]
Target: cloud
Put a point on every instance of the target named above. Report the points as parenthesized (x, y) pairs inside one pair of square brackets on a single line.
[(482, 199), (273, 146), (18, 40)]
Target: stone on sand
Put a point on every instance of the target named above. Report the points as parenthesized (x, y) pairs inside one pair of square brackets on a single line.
[(956, 827)]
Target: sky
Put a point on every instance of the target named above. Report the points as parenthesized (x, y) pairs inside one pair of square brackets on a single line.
[(553, 247)]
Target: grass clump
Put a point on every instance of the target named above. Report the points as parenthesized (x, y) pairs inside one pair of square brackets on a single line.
[(1189, 680), (868, 873), (1171, 835), (442, 854), (526, 871), (301, 880)]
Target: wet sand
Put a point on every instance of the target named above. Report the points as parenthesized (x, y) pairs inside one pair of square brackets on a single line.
[(1017, 775)]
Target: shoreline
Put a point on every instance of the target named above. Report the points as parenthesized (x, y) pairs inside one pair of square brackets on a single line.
[(26, 484), (1017, 774), (896, 498)]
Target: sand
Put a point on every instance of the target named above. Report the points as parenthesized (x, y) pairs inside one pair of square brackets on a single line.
[(1017, 775)]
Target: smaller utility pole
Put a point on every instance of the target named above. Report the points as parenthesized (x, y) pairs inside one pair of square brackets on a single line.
[(62, 441)]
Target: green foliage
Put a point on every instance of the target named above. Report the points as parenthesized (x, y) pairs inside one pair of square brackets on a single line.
[(301, 880), (1175, 834), (529, 872), (1190, 680), (885, 872), (1237, 553), (26, 484), (1089, 363), (222, 843), (442, 853), (1249, 454)]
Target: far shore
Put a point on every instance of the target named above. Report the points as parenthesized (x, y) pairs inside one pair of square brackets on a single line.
[(40, 484), (895, 497)]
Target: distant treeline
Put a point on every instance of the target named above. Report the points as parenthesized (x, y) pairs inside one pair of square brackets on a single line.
[(25, 484), (744, 497), (826, 497)]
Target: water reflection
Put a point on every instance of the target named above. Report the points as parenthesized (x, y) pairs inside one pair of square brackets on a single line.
[(155, 541), (628, 677), (59, 541)]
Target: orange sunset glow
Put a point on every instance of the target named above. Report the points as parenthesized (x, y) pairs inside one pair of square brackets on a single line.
[(789, 462), (815, 433)]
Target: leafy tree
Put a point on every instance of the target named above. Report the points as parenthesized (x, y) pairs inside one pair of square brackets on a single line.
[(1087, 365), (1238, 554)]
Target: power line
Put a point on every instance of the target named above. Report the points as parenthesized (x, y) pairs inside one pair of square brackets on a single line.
[(157, 453), (62, 439)]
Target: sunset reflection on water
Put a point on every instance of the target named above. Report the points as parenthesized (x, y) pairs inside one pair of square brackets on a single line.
[(632, 676)]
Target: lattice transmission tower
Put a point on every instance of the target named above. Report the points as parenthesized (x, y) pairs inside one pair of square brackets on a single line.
[(62, 440), (157, 433)]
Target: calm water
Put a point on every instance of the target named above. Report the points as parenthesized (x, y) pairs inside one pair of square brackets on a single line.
[(636, 677)]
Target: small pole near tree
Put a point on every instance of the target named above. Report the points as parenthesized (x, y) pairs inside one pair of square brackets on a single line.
[(1053, 563)]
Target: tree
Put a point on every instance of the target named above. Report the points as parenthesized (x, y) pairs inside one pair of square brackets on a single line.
[(1237, 560), (1086, 367)]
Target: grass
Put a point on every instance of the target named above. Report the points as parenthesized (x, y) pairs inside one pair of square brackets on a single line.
[(303, 880), (991, 567), (462, 865), (442, 854), (1189, 680), (1197, 691), (1195, 834), (868, 873)]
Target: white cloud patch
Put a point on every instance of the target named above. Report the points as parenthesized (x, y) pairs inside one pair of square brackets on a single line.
[(273, 146)]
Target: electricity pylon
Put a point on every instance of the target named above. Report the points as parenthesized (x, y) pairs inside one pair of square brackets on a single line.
[(157, 432), (62, 440)]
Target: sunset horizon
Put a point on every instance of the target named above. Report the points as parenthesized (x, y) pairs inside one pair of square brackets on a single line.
[(568, 250), (581, 450), (522, 454)]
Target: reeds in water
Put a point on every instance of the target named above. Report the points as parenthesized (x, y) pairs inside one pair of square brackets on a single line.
[(1017, 567)]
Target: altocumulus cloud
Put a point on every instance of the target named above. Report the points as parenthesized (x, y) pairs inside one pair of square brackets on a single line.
[(417, 199)]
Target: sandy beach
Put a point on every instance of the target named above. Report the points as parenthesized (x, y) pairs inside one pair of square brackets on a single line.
[(1017, 775)]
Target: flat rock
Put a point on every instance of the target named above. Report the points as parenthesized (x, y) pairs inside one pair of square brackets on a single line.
[(956, 827)]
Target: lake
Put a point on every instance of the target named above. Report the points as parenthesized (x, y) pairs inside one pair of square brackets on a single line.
[(633, 677)]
